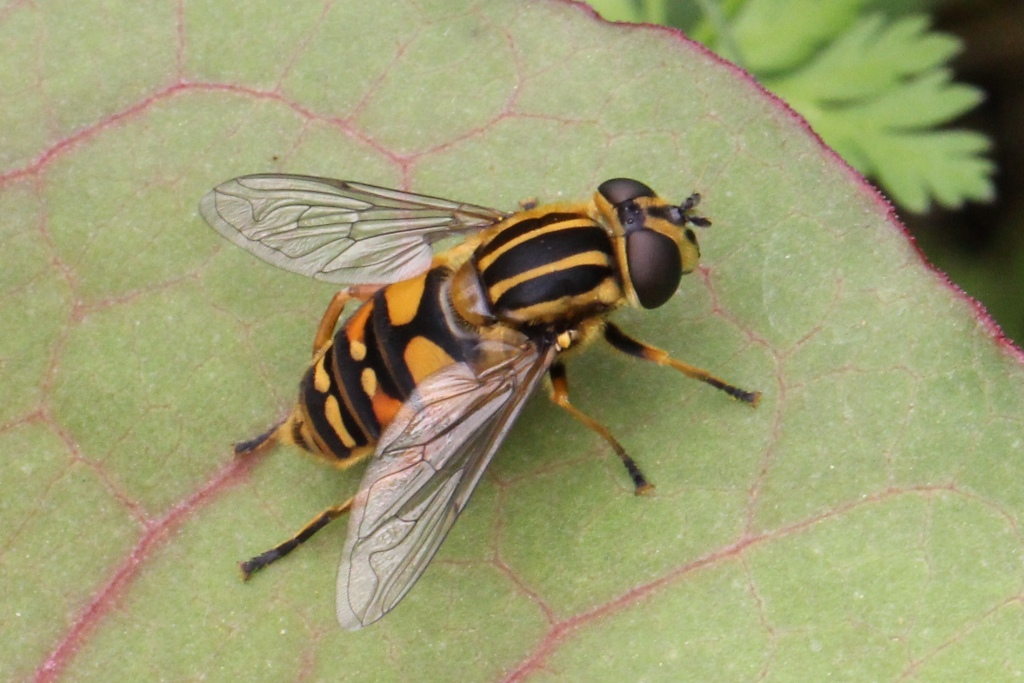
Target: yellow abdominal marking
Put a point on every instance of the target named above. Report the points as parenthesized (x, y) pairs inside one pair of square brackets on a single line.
[(321, 380), (333, 414), (357, 349), (423, 358), (403, 299), (369, 381)]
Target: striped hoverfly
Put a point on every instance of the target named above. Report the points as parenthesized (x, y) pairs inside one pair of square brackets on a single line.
[(428, 374)]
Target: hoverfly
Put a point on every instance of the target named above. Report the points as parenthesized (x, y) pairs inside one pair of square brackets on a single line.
[(428, 374)]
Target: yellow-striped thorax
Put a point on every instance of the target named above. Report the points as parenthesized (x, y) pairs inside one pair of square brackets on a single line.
[(563, 263)]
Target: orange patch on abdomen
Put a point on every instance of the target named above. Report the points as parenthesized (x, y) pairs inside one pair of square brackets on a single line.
[(385, 407)]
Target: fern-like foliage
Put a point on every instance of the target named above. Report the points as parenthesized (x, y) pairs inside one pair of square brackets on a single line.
[(874, 86)]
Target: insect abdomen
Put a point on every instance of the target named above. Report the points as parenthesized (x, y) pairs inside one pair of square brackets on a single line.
[(352, 391), (550, 267)]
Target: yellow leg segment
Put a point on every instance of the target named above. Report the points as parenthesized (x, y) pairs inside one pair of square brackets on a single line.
[(638, 349), (560, 396), (329, 321)]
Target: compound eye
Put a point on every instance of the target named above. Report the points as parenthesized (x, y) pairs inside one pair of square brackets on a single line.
[(655, 266), (618, 190)]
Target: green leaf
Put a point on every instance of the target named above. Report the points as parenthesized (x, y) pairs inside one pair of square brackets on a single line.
[(870, 58), (622, 10), (877, 94), (861, 524), (867, 82), (955, 155), (779, 35)]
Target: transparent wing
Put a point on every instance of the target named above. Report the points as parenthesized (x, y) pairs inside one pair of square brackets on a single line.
[(336, 230), (427, 464)]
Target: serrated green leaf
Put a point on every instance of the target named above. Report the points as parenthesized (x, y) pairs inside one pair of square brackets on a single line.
[(620, 10), (877, 84), (922, 103), (778, 35), (871, 57), (857, 80), (946, 165), (635, 11), (888, 139), (861, 524)]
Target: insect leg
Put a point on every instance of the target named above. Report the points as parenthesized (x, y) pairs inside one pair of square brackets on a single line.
[(264, 440), (329, 321), (623, 342), (323, 335), (560, 396), (303, 535)]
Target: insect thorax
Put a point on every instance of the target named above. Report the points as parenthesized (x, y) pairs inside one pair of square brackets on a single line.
[(543, 269)]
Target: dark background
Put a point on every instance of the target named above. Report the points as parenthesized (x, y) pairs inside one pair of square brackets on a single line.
[(981, 246)]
